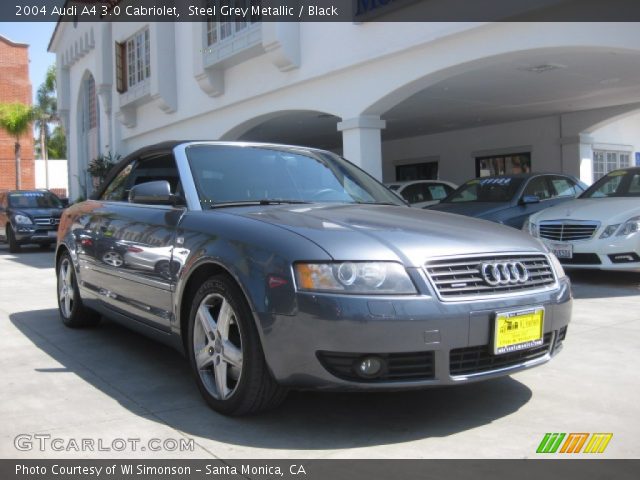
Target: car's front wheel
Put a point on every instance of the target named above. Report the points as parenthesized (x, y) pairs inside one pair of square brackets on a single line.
[(225, 351), (14, 246), (72, 312)]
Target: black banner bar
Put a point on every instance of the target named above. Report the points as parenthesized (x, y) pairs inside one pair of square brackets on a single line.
[(582, 469), (357, 11)]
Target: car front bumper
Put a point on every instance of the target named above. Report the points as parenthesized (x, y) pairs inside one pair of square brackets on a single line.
[(429, 342), (613, 253), (36, 234)]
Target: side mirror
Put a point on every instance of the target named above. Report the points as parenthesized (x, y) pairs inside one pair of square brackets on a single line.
[(527, 199), (65, 202), (152, 193)]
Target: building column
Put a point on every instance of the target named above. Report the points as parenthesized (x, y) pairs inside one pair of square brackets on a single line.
[(362, 143), (577, 157)]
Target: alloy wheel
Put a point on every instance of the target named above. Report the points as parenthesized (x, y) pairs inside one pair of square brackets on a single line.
[(217, 346), (65, 287)]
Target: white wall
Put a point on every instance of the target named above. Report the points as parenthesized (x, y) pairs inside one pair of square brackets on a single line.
[(58, 174), (456, 150), (622, 134)]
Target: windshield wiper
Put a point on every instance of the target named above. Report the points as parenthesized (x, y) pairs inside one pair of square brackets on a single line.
[(265, 201), (377, 203)]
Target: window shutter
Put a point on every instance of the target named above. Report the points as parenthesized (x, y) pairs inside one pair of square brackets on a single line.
[(121, 67)]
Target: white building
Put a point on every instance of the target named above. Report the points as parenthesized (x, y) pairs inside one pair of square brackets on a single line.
[(452, 100)]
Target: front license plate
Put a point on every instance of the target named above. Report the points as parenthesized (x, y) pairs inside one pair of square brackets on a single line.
[(561, 250), (52, 234), (518, 330)]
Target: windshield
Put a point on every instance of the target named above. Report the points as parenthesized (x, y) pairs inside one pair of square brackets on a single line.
[(34, 200), (619, 183), (490, 189), (230, 174)]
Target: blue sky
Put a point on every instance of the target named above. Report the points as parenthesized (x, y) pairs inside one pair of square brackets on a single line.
[(37, 35)]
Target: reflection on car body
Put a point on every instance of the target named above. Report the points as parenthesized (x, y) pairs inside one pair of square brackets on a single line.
[(276, 267)]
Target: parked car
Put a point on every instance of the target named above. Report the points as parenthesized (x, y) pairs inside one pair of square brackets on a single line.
[(510, 199), (296, 269), (598, 230), (422, 193), (29, 216)]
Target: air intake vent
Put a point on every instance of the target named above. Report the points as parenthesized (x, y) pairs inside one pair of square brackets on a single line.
[(470, 360)]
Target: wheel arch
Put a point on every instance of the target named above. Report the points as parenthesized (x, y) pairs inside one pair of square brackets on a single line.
[(198, 275)]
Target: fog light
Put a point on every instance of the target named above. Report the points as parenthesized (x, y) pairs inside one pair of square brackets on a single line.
[(369, 366)]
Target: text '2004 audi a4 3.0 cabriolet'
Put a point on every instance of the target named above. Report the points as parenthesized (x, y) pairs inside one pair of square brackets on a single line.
[(276, 267)]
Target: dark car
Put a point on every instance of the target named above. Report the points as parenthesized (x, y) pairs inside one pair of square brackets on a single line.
[(29, 216), (510, 199), (289, 267)]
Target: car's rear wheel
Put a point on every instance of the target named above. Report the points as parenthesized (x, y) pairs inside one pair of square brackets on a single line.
[(225, 351), (14, 247), (72, 312)]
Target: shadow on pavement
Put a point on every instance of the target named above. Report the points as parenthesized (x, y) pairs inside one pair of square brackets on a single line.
[(603, 284), (31, 256), (153, 380)]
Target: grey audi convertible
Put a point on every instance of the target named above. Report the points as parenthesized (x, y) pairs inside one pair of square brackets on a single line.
[(274, 267)]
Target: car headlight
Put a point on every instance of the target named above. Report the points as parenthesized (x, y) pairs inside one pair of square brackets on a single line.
[(354, 277), (610, 230), (630, 226), (22, 219), (557, 266), (531, 228)]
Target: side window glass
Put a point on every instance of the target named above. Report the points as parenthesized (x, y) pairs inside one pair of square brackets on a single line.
[(440, 191), (116, 191), (161, 167), (563, 187), (413, 194), (425, 192), (634, 186), (538, 187)]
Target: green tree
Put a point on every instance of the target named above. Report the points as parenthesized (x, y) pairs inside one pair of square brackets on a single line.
[(15, 119), (57, 143), (46, 114)]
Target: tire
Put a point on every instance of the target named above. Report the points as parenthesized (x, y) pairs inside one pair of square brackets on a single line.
[(14, 247), (228, 356), (72, 312)]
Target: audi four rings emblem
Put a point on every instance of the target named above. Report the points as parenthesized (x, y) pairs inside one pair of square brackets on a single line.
[(504, 273)]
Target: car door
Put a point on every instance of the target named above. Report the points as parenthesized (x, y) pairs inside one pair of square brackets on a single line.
[(129, 246), (538, 186)]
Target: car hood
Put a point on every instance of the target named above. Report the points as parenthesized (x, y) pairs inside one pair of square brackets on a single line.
[(37, 212), (608, 211), (377, 232), (470, 209)]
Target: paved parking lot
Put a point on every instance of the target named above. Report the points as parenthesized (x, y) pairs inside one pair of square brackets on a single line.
[(108, 383)]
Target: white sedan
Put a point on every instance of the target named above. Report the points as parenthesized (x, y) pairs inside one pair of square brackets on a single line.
[(422, 193), (600, 229)]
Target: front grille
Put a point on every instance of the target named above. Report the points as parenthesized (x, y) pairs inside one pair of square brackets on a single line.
[(460, 277), (567, 231), (470, 360), (46, 221), (582, 259), (397, 366)]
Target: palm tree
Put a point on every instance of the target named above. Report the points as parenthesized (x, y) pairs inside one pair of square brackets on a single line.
[(46, 112), (15, 119)]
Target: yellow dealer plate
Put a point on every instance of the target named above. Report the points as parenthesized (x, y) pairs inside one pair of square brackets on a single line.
[(518, 330)]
